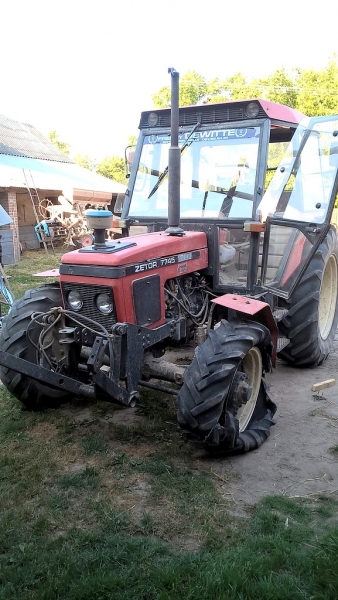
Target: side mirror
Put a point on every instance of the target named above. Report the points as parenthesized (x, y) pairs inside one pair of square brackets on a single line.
[(129, 159)]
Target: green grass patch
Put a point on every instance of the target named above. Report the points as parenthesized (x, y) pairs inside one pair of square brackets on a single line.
[(95, 507), (21, 275), (88, 478)]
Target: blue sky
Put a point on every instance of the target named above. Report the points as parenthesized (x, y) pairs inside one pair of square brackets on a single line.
[(88, 68)]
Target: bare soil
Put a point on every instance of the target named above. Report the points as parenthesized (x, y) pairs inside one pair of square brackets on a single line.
[(300, 459)]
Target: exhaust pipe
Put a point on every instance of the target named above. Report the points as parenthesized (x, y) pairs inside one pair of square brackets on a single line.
[(174, 161)]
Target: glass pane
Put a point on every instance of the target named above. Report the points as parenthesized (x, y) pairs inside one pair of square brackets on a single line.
[(234, 246), (287, 253), (302, 186), (218, 174)]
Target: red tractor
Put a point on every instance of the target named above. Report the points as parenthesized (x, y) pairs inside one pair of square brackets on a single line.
[(239, 265)]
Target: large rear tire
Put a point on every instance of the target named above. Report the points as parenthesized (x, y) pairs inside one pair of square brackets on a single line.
[(14, 340), (223, 404), (313, 309)]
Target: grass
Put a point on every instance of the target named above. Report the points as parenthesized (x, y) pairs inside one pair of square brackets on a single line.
[(94, 508), (21, 276), (88, 514)]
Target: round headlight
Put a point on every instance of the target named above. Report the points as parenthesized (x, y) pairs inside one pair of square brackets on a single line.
[(152, 119), (74, 300), (104, 303), (252, 110)]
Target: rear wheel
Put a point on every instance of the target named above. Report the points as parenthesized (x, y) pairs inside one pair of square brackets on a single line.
[(14, 340), (223, 403), (313, 309)]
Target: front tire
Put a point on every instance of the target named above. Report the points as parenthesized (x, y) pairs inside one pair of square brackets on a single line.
[(14, 341), (223, 404), (313, 309)]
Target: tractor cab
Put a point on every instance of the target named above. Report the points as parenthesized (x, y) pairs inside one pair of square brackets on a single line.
[(228, 155), (297, 206)]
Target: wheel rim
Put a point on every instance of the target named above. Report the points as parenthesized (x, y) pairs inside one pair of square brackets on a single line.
[(328, 298), (252, 367)]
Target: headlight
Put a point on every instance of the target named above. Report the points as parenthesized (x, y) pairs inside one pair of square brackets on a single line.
[(152, 119), (252, 110), (74, 300), (104, 304)]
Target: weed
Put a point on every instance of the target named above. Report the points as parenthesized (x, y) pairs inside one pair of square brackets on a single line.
[(88, 478), (94, 444)]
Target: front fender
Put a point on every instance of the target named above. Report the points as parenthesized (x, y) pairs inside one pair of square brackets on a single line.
[(250, 306)]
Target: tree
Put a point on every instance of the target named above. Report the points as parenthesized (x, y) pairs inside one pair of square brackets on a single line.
[(311, 92), (193, 88), (85, 161), (318, 90), (279, 87), (63, 146), (113, 167)]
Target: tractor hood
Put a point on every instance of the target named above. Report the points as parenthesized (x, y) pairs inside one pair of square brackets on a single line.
[(136, 249)]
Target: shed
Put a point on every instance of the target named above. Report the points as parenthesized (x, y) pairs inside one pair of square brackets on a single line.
[(36, 178)]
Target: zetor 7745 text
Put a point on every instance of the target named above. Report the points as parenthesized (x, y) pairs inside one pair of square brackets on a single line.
[(238, 266)]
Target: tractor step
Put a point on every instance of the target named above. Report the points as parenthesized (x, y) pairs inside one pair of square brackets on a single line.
[(280, 313), (281, 343)]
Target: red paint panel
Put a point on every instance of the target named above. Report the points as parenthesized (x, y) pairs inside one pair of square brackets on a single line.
[(122, 287), (280, 112), (50, 273), (250, 306), (294, 260), (148, 245), (241, 303)]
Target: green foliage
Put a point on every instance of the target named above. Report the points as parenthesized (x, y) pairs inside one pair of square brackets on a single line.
[(311, 92), (279, 87), (193, 88), (85, 161), (132, 140), (318, 90), (113, 167), (63, 146)]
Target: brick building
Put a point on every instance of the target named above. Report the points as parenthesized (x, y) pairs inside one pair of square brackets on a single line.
[(35, 173)]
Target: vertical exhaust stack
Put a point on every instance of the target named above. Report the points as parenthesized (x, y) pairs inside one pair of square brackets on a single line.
[(174, 161)]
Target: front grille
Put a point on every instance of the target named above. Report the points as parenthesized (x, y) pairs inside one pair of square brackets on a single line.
[(88, 294)]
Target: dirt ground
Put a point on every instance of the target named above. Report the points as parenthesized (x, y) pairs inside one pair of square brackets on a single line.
[(298, 460)]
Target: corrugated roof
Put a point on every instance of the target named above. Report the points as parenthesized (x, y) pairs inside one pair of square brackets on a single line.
[(48, 175), (22, 139)]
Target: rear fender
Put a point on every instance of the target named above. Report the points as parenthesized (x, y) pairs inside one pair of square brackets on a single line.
[(249, 306)]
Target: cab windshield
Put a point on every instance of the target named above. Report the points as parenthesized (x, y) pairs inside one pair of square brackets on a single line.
[(218, 174)]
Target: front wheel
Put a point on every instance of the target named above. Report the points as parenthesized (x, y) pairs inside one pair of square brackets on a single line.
[(223, 404), (14, 340)]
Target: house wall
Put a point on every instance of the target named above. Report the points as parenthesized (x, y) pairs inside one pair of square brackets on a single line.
[(10, 246), (27, 217), (26, 222), (20, 235)]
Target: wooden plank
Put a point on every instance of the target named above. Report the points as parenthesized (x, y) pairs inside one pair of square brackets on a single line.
[(323, 384)]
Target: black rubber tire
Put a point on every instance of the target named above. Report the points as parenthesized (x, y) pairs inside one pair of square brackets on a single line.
[(205, 411), (13, 339), (307, 346)]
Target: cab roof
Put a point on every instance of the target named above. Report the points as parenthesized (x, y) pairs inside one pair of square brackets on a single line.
[(222, 112)]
